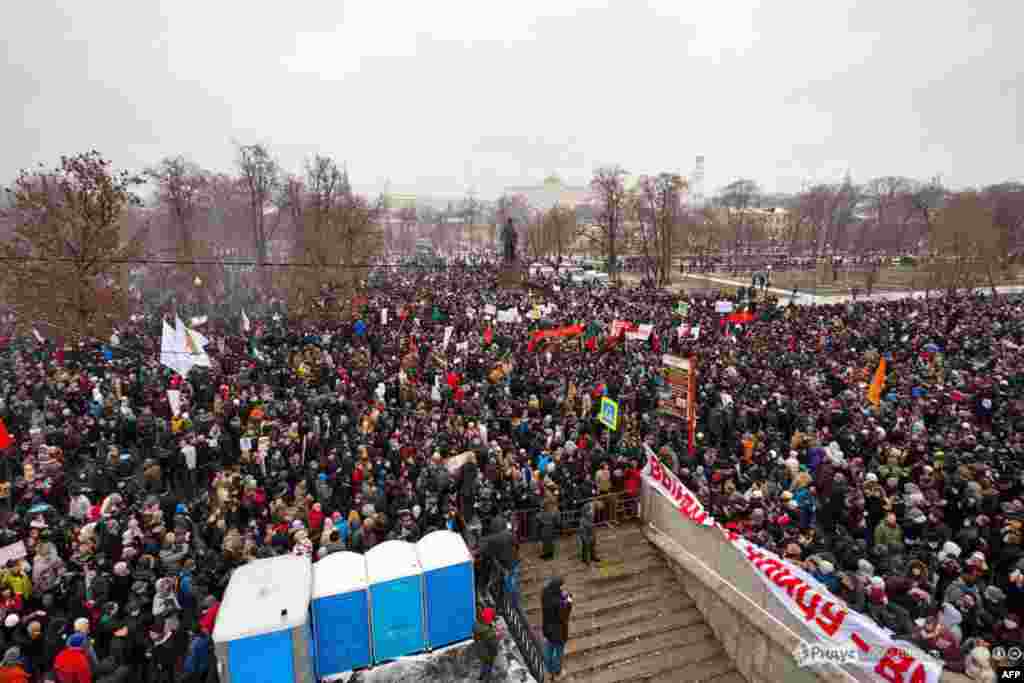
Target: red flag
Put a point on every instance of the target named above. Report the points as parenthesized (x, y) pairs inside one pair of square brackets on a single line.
[(5, 439), (488, 336), (592, 343), (741, 318)]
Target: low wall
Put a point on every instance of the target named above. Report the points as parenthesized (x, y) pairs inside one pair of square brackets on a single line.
[(757, 631)]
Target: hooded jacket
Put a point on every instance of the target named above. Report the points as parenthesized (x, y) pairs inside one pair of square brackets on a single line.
[(500, 544), (555, 610)]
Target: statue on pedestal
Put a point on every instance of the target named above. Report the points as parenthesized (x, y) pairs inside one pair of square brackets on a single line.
[(509, 239)]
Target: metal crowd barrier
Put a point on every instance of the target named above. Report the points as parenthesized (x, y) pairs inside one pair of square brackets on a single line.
[(616, 508), (530, 646)]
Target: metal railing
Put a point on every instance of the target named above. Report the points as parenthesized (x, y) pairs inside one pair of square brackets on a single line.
[(530, 646), (616, 508)]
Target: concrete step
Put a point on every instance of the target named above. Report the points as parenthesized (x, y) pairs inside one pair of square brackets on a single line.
[(614, 634), (570, 567), (607, 604), (707, 671), (698, 661), (622, 537), (595, 582), (637, 613), (610, 657)]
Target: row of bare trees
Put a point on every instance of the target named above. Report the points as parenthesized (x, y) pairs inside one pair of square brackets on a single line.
[(80, 242)]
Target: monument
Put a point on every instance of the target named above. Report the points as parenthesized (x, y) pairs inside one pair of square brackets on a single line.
[(509, 239), (511, 272)]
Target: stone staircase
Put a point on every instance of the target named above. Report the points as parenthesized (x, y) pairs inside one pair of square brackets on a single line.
[(632, 621)]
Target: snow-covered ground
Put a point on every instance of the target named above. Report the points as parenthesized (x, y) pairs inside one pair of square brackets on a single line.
[(805, 299)]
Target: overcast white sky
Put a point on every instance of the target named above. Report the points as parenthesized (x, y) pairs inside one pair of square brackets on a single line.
[(438, 96)]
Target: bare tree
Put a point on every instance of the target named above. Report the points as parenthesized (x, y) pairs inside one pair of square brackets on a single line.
[(469, 213), (613, 203), (68, 259), (550, 234), (261, 178), (408, 222), (659, 210), (828, 211), (965, 246), (891, 209), (1007, 203), (739, 198), (927, 198), (182, 193)]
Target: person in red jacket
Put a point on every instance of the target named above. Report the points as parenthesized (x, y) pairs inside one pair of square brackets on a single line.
[(72, 664), (631, 484), (208, 619)]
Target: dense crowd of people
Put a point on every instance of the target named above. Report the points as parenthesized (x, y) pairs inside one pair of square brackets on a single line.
[(124, 516)]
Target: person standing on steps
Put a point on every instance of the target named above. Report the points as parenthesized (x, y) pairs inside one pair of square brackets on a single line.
[(486, 638), (548, 530), (585, 535), (556, 608)]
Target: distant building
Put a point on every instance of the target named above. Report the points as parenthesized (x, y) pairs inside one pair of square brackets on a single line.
[(551, 192), (772, 222)]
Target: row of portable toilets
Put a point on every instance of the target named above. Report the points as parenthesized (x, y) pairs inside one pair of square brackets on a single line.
[(287, 619)]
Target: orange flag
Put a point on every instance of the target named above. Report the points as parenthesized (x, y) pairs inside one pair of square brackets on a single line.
[(877, 385), (5, 439)]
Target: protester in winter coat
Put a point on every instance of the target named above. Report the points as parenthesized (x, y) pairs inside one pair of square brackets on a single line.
[(486, 639), (586, 538), (72, 664), (556, 609)]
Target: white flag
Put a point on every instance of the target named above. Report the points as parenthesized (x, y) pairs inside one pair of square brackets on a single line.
[(383, 316), (245, 322), (447, 336), (172, 351)]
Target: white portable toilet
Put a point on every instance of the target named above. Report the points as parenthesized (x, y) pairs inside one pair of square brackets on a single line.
[(341, 614), (450, 589), (263, 633), (396, 601)]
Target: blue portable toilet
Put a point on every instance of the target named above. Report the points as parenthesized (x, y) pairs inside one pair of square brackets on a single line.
[(449, 587), (341, 614), (263, 632), (396, 600)]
